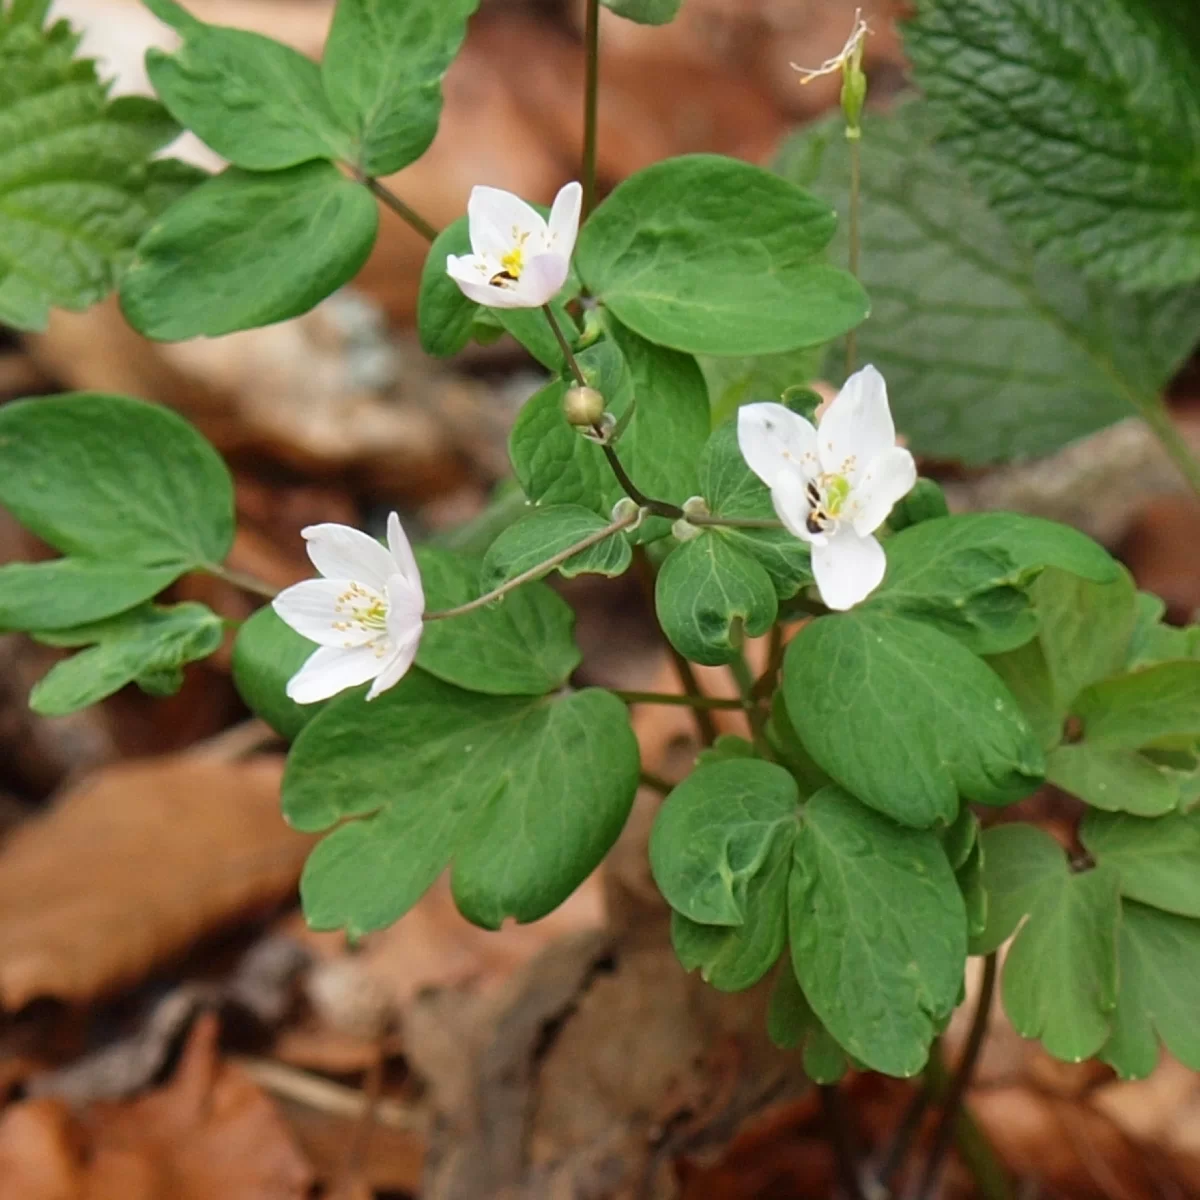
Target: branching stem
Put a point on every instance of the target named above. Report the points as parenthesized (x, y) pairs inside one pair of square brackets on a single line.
[(247, 582), (398, 206), (678, 701)]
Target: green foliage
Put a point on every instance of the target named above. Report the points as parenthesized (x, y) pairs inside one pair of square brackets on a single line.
[(868, 695), (382, 69), (990, 353), (248, 249), (255, 101), (878, 931), (645, 12), (713, 256), (708, 593), (76, 185), (544, 532), (736, 381), (1085, 137), (519, 646), (521, 796), (147, 645), (65, 474), (266, 654), (1156, 859), (791, 1023)]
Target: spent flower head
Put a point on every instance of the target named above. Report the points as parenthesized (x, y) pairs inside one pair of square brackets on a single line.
[(833, 485), (849, 55), (517, 259), (365, 613)]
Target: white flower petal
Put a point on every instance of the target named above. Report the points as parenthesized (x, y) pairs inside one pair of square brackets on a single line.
[(564, 219), (775, 441), (330, 670), (496, 219), (541, 280), (401, 551), (888, 477), (340, 552), (406, 610), (472, 282), (311, 608), (847, 568), (857, 426), (790, 499), (396, 667)]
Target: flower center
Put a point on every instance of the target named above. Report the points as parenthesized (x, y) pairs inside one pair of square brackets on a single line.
[(362, 609), (512, 263), (828, 496)]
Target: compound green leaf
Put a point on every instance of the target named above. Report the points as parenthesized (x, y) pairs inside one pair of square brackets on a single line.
[(1159, 962), (708, 591), (1026, 674), (1129, 711), (109, 478), (968, 574), (521, 645), (1060, 976), (544, 532), (1154, 642), (1158, 861), (907, 718), (148, 643), (522, 797), (989, 352), (255, 101), (1086, 134), (73, 591), (878, 931), (75, 172), (713, 256), (715, 834), (791, 1023), (247, 249), (1112, 778), (383, 67), (266, 654), (1018, 862)]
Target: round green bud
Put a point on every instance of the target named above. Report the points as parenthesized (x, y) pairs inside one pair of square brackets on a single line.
[(583, 406)]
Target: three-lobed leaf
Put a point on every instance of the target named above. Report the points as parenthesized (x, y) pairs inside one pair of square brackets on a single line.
[(547, 531), (521, 796), (247, 249), (1158, 860)]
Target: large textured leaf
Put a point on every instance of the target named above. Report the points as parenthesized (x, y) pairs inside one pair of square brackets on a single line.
[(1079, 120), (76, 186), (990, 353)]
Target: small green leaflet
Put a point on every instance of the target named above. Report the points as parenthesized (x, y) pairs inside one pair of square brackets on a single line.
[(713, 256), (1154, 642), (1085, 138), (247, 249), (906, 717), (383, 67), (255, 101), (521, 796), (1158, 860), (544, 532), (645, 12), (76, 183), (520, 645), (148, 646), (128, 491), (266, 654), (990, 353), (791, 1023)]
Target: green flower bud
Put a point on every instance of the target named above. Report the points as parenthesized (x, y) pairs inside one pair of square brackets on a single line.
[(583, 406)]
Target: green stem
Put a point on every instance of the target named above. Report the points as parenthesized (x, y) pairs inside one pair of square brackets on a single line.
[(1155, 413), (691, 686), (671, 698), (542, 568), (591, 104), (734, 522), (565, 346), (764, 685), (739, 668), (248, 583), (657, 782), (956, 1125), (852, 234), (402, 210)]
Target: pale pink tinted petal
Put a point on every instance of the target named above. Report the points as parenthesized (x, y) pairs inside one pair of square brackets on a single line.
[(331, 670), (340, 552), (775, 441), (847, 568), (792, 507), (888, 477), (395, 667), (564, 219), (541, 280), (471, 281), (857, 426), (406, 608), (401, 551), (311, 609), (496, 219)]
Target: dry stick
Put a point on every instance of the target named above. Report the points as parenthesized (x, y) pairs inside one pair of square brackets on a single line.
[(839, 1137), (542, 568)]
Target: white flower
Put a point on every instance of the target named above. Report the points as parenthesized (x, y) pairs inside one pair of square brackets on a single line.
[(833, 486), (365, 614), (518, 260)]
